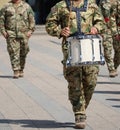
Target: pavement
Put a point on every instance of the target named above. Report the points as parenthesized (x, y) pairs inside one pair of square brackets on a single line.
[(39, 101)]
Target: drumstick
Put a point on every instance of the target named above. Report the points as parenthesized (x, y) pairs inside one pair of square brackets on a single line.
[(71, 3), (68, 25)]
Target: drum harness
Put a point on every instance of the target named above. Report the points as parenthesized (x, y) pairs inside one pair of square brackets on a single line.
[(78, 15), (79, 34)]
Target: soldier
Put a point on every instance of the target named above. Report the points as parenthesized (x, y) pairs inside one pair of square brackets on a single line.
[(108, 40), (63, 21), (17, 25), (115, 28)]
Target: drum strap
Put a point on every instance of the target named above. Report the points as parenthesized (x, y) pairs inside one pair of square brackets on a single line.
[(78, 15)]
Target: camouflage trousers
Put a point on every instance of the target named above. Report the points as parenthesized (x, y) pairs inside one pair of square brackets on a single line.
[(116, 46), (17, 49), (81, 84), (108, 47)]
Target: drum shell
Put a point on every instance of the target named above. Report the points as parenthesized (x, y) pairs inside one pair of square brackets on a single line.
[(85, 50)]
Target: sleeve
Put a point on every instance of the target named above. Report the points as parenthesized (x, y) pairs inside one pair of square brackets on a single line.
[(31, 19), (108, 10), (2, 20), (52, 22), (99, 22), (113, 19), (105, 7)]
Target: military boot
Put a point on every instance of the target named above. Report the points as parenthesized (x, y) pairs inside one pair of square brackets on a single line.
[(80, 121), (21, 73), (113, 73), (16, 74)]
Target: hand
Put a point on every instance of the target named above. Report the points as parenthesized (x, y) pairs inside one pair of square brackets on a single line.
[(65, 32), (5, 34), (93, 30), (29, 33)]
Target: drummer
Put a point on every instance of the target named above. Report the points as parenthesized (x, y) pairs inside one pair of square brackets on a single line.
[(73, 18)]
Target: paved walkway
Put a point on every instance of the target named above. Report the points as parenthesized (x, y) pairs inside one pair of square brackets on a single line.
[(39, 101)]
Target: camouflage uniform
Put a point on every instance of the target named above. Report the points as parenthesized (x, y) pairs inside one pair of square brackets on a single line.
[(110, 10), (115, 22), (107, 44), (82, 79), (16, 21)]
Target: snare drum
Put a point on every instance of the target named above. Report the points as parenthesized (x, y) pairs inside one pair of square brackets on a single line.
[(85, 50)]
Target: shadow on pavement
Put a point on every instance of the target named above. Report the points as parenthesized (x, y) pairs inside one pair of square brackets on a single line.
[(8, 77), (108, 83), (117, 106), (100, 75), (116, 100), (107, 92), (37, 123), (113, 99)]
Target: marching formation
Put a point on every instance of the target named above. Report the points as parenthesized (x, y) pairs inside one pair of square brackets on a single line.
[(90, 32)]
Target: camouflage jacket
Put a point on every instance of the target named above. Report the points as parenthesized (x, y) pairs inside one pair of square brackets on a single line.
[(60, 17), (16, 20), (111, 12), (118, 14)]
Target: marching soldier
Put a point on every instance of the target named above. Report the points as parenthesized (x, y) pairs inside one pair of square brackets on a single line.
[(115, 22), (110, 10), (64, 21), (17, 25)]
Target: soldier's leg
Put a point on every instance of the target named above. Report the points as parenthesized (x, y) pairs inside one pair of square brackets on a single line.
[(75, 89), (24, 49), (13, 47), (107, 46), (89, 81), (76, 94), (116, 46)]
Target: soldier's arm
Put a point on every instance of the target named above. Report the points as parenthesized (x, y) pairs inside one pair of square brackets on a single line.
[(113, 25), (113, 20), (99, 22), (52, 23), (2, 22), (31, 20), (105, 8)]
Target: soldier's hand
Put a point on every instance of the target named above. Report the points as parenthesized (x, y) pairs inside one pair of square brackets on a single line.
[(93, 30), (5, 34), (29, 34), (65, 32)]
